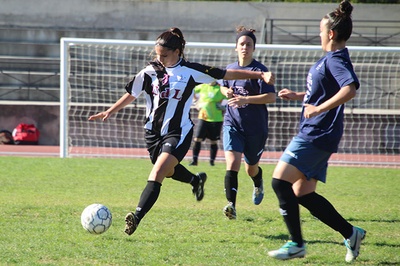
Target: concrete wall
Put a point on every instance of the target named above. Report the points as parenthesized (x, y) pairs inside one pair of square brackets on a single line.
[(147, 18), (45, 117)]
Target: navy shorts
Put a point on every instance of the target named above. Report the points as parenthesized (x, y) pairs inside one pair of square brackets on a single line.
[(173, 143), (252, 146), (307, 158)]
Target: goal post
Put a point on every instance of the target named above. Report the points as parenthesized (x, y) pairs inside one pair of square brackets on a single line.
[(94, 73)]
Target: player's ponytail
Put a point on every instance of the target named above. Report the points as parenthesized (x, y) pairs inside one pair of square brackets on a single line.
[(340, 21)]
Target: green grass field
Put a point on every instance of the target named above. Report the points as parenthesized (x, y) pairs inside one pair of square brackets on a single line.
[(42, 200)]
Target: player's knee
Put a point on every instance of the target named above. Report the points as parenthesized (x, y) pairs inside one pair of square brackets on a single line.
[(280, 186), (252, 170)]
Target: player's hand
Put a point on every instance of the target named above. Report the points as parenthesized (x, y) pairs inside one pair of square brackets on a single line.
[(229, 93), (102, 115), (310, 110), (286, 94), (268, 78), (237, 101)]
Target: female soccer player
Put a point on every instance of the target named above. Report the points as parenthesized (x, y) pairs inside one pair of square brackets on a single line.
[(245, 127), (167, 83), (331, 82)]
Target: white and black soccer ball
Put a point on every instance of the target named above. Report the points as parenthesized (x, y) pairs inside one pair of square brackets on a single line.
[(96, 218)]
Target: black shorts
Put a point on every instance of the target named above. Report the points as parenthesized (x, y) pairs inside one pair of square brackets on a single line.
[(208, 130), (174, 143)]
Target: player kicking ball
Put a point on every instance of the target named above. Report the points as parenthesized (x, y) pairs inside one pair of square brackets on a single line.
[(168, 85)]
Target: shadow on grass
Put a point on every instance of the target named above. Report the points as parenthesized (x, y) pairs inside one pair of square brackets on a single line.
[(382, 244), (284, 237)]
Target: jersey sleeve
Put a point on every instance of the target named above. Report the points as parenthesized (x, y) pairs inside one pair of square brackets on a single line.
[(205, 74), (139, 83), (343, 72)]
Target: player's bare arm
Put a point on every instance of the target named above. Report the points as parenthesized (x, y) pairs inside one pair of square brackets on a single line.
[(118, 105), (239, 100), (289, 95), (228, 92), (232, 74), (344, 95)]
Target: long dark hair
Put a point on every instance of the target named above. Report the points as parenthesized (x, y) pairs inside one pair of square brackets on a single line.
[(172, 39), (340, 21)]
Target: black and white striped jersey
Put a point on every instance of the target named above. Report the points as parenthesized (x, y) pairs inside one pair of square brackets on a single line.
[(169, 93)]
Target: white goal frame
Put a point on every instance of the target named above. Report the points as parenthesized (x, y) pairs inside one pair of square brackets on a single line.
[(393, 159)]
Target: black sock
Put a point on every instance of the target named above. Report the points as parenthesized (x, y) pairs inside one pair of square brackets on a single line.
[(258, 178), (322, 209), (148, 198), (289, 208), (231, 186), (213, 152), (196, 150), (184, 175)]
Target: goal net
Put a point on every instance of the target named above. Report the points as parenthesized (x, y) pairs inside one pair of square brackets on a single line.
[(94, 73)]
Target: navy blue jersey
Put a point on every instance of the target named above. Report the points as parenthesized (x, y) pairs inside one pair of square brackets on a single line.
[(169, 93), (324, 80), (251, 118)]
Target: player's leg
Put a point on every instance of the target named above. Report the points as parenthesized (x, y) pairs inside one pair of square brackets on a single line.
[(233, 147), (231, 182), (253, 151), (179, 145), (300, 167), (213, 133), (163, 166), (196, 151), (196, 180), (166, 160), (198, 138), (283, 177), (255, 173), (213, 151), (322, 209), (286, 173)]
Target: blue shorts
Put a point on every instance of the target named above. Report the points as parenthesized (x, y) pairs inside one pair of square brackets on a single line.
[(252, 146), (307, 158)]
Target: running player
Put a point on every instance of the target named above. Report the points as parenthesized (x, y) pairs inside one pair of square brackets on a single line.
[(245, 128)]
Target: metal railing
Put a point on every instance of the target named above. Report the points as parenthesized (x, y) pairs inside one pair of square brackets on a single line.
[(306, 32)]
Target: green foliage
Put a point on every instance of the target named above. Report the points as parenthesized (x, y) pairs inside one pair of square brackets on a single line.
[(42, 199)]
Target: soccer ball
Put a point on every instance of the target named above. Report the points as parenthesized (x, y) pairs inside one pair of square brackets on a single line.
[(96, 218)]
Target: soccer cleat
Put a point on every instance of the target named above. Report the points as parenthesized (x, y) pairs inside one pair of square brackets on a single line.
[(193, 163), (258, 194), (132, 223), (353, 243), (198, 191), (288, 251), (212, 162), (230, 211)]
